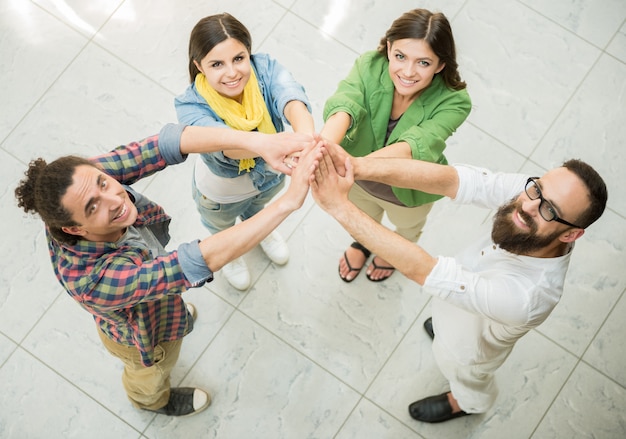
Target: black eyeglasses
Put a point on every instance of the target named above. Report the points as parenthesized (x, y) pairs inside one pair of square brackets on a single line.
[(546, 209)]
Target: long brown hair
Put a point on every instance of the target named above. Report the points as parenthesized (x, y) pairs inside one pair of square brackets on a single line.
[(434, 28), (209, 32)]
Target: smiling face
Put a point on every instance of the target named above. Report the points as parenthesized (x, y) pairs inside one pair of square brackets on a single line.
[(412, 66), (100, 204), (227, 68), (519, 227)]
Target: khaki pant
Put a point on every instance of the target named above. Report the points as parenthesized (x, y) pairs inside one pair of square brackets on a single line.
[(409, 221), (146, 387), (473, 385)]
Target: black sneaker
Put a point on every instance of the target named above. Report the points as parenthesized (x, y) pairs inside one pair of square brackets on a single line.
[(185, 401), (428, 327)]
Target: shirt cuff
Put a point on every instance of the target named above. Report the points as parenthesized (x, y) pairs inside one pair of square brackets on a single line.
[(169, 143), (445, 278), (193, 265), (465, 174)]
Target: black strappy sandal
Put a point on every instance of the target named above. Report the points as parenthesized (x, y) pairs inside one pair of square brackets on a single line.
[(365, 252), (381, 267)]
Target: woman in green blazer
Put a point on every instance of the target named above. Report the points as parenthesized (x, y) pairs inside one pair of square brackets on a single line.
[(402, 100)]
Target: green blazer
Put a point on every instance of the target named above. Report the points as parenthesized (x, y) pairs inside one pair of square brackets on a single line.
[(366, 94)]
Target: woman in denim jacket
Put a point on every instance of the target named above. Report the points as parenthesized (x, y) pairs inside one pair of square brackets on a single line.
[(402, 100), (232, 88)]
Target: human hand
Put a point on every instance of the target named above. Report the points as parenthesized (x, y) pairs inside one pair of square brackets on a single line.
[(291, 161), (279, 148), (329, 188), (301, 175), (338, 156)]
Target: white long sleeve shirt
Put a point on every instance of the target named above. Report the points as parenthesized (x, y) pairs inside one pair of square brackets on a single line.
[(489, 296)]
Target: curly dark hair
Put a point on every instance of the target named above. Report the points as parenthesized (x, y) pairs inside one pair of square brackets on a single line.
[(434, 28), (42, 189)]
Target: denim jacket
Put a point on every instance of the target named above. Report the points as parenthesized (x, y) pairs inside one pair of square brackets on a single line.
[(278, 88)]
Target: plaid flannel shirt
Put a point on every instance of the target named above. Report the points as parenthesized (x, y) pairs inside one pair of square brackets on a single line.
[(134, 297)]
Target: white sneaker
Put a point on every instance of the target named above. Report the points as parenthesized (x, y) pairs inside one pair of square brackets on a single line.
[(192, 310), (275, 248), (237, 274)]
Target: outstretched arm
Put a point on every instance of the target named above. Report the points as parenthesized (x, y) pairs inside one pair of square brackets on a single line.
[(299, 117), (427, 177), (229, 244), (274, 148), (330, 191), (336, 127)]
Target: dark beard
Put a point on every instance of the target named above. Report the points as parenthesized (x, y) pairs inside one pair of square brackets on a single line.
[(510, 238)]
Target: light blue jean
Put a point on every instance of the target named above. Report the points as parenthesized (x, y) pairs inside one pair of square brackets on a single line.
[(217, 216)]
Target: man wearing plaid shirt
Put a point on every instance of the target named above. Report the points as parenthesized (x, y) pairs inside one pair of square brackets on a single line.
[(106, 244)]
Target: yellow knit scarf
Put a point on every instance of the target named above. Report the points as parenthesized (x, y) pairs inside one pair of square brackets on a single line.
[(250, 114)]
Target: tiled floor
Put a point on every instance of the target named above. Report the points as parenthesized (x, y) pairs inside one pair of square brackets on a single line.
[(302, 354)]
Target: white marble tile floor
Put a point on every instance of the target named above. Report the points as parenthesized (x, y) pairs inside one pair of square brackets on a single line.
[(303, 354)]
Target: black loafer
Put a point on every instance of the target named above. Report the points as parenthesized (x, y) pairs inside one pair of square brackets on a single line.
[(428, 326), (434, 409)]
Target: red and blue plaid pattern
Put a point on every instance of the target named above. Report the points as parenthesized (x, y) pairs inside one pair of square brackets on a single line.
[(134, 298)]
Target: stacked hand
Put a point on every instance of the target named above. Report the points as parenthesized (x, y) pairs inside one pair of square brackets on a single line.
[(329, 187), (302, 172), (284, 147), (323, 165)]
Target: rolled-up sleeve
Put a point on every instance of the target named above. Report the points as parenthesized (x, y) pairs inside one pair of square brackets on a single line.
[(193, 265), (169, 143), (493, 294), (484, 188), (445, 278)]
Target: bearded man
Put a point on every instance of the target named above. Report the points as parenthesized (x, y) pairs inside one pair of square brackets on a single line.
[(493, 292)]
